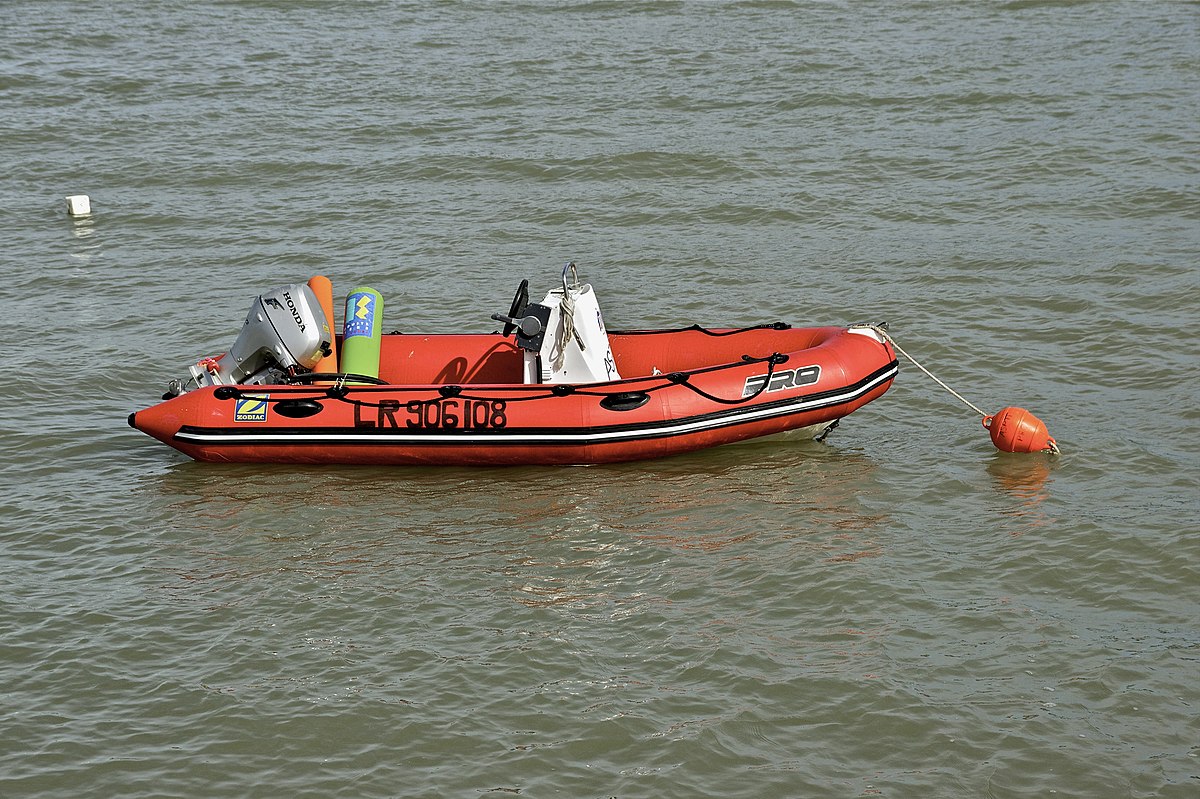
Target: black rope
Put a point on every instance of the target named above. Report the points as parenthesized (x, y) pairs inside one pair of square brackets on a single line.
[(681, 378), (699, 329), (825, 433), (301, 378)]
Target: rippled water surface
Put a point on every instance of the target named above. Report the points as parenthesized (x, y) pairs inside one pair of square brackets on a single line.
[(900, 611)]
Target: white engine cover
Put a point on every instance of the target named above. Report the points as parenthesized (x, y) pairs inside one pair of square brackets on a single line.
[(576, 348)]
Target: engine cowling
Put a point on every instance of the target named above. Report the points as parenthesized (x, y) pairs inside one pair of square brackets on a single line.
[(284, 329)]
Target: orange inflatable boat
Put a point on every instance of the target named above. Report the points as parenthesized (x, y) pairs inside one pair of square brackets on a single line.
[(552, 387)]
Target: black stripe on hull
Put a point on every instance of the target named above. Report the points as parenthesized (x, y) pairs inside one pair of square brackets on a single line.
[(564, 436)]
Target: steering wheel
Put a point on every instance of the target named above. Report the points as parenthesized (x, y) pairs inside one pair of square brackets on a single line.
[(520, 300)]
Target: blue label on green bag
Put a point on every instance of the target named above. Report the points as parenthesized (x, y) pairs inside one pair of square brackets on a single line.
[(360, 315)]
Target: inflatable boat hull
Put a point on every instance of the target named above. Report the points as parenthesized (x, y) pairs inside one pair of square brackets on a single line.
[(459, 400)]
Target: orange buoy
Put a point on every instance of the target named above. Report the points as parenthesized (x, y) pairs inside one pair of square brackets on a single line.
[(1018, 430)]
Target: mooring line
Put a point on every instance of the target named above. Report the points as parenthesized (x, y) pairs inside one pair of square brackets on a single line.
[(883, 332)]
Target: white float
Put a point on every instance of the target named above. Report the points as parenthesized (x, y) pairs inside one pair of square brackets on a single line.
[(79, 205)]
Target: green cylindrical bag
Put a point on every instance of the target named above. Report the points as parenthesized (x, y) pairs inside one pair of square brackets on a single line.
[(362, 331)]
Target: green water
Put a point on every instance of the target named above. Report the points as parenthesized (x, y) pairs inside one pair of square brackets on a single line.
[(901, 611)]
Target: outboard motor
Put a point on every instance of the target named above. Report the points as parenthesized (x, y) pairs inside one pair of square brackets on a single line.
[(284, 331)]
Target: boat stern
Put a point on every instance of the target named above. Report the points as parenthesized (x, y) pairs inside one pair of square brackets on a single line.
[(164, 420)]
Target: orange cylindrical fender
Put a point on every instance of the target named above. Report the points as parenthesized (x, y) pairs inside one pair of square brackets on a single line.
[(1018, 430), (323, 288)]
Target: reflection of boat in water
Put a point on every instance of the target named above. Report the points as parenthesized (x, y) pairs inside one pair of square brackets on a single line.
[(554, 387)]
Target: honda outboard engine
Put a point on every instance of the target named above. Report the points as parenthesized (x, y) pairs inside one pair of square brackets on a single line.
[(284, 331)]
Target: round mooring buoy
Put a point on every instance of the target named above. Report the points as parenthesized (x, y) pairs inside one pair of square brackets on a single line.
[(1011, 429), (1018, 430)]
